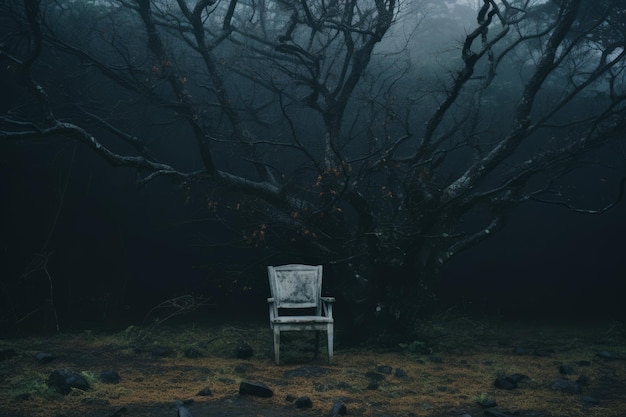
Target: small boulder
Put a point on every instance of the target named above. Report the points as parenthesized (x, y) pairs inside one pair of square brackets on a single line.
[(339, 409), (109, 377), (63, 380), (566, 386), (566, 370), (384, 369), (304, 402), (400, 373), (255, 389), (205, 392)]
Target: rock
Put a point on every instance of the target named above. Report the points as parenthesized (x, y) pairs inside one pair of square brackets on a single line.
[(255, 389), (400, 373), (205, 392), (566, 370), (374, 376), (384, 369), (503, 383), (63, 380), (373, 385), (243, 350), (44, 357), (109, 377), (304, 402), (566, 386), (509, 382), (339, 409), (184, 412), (120, 411), (517, 378), (605, 354)]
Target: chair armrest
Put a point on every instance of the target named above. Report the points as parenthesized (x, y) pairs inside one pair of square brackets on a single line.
[(273, 309), (327, 306)]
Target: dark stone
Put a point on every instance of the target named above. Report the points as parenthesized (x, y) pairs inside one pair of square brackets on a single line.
[(119, 412), (384, 369), (339, 409), (193, 353), (374, 376), (566, 386), (255, 389), (63, 380), (305, 372), (184, 412), (583, 363), (373, 385), (44, 357), (442, 388), (503, 382), (7, 354), (243, 350), (400, 373), (109, 377), (566, 370), (304, 402), (517, 378), (205, 392), (605, 354)]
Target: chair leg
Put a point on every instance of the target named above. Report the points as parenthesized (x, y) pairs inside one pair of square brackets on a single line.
[(317, 344), (329, 331), (276, 345)]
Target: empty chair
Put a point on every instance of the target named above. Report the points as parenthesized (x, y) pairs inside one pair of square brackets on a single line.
[(297, 303)]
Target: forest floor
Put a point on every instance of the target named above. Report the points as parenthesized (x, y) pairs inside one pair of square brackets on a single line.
[(448, 373)]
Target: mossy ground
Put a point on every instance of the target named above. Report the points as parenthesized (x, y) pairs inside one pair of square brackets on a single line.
[(456, 362)]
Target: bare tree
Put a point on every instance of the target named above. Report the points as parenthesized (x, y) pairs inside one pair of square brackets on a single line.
[(316, 141)]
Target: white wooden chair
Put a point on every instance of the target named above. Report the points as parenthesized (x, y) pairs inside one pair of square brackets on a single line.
[(298, 288)]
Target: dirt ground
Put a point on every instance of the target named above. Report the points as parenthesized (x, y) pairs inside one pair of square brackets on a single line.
[(448, 372)]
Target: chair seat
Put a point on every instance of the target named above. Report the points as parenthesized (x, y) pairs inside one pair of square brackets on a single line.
[(301, 319)]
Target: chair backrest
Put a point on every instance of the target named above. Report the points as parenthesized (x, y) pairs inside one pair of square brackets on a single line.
[(295, 285)]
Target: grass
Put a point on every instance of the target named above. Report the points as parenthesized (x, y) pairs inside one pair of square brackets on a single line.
[(455, 362)]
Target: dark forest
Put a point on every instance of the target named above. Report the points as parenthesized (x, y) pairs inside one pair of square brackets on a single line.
[(430, 154)]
